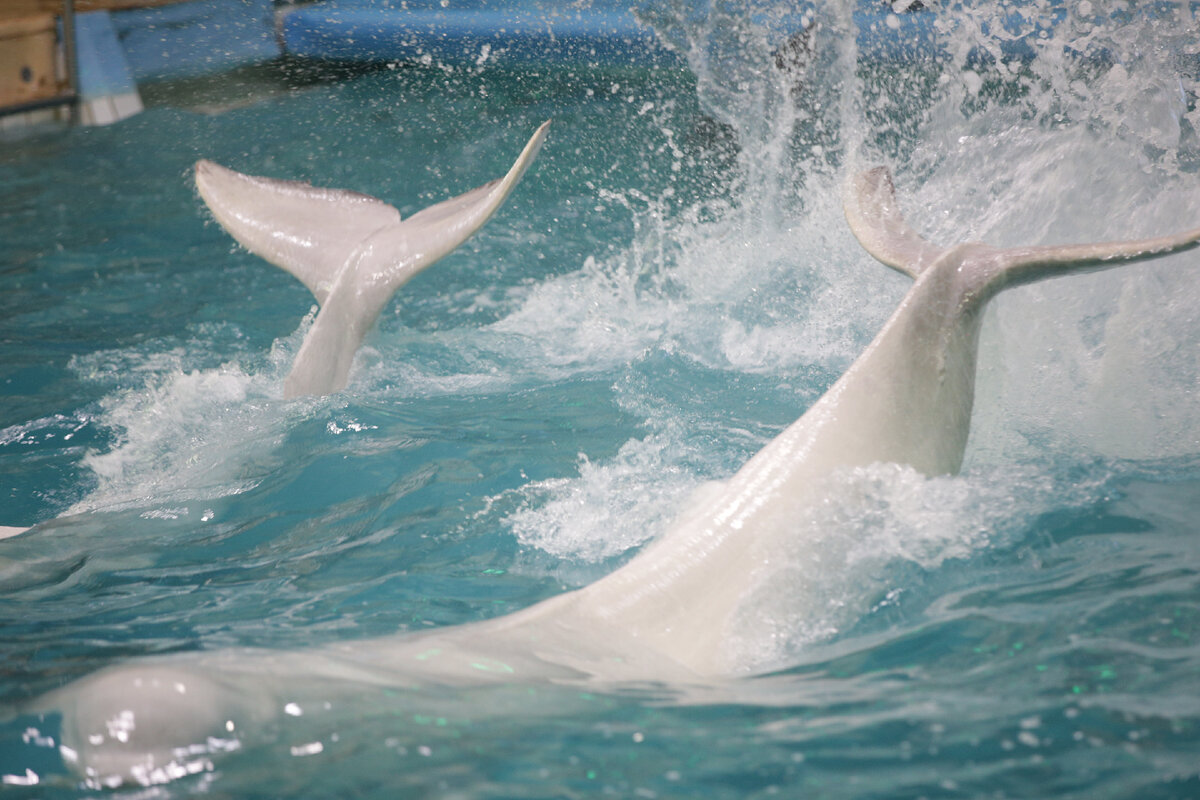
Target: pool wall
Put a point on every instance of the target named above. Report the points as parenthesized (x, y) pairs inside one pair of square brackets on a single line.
[(120, 49)]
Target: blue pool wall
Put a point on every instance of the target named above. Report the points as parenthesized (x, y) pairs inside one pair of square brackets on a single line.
[(201, 37), (473, 33), (196, 38)]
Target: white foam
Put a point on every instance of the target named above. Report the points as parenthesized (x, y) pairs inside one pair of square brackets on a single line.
[(182, 432), (173, 441), (607, 509)]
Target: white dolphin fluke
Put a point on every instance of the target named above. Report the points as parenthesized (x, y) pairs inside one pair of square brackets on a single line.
[(667, 615), (875, 218), (351, 250)]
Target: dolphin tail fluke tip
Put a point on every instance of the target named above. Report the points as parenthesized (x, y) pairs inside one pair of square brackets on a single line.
[(534, 145), (205, 169), (871, 209), (528, 153), (1020, 265)]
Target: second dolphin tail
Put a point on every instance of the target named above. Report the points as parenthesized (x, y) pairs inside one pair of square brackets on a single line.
[(351, 250), (308, 231)]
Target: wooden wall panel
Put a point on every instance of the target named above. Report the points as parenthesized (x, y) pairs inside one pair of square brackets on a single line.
[(27, 59), (25, 8)]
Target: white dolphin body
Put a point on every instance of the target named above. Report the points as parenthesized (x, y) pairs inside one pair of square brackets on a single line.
[(351, 250), (664, 616)]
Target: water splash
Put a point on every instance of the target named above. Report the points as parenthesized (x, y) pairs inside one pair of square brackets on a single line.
[(1037, 125), (182, 430)]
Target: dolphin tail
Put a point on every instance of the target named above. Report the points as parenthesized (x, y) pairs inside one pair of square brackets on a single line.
[(351, 250), (312, 232), (308, 231), (875, 218)]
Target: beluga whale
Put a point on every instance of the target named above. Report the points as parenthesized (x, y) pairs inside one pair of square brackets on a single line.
[(665, 616), (351, 250)]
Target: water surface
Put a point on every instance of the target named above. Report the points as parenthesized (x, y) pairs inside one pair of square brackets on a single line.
[(670, 285)]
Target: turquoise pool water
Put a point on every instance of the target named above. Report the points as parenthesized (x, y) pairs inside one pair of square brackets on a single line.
[(670, 285)]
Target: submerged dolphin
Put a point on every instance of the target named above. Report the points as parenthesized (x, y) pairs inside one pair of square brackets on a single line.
[(665, 615), (351, 250)]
